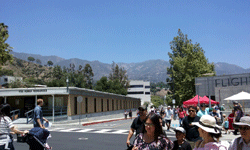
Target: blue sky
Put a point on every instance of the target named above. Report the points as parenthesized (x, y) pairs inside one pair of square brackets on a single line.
[(128, 30)]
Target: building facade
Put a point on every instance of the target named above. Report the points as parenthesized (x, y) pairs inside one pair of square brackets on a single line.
[(8, 79), (220, 87), (61, 98), (140, 89)]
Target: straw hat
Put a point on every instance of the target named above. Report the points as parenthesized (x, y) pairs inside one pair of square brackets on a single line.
[(208, 124), (244, 121)]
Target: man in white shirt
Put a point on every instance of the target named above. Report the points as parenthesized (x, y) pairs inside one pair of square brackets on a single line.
[(168, 116)]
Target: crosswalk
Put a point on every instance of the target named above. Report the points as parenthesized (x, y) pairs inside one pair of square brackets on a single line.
[(100, 131)]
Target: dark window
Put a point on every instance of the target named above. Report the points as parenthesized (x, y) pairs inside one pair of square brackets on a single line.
[(136, 86), (116, 104), (75, 105), (107, 104), (147, 87), (86, 105), (140, 92), (113, 105), (94, 104), (147, 93), (102, 104), (120, 104), (5, 79)]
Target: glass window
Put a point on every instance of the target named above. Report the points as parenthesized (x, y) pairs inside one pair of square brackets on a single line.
[(140, 92)]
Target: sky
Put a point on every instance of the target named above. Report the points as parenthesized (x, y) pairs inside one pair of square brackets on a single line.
[(128, 31)]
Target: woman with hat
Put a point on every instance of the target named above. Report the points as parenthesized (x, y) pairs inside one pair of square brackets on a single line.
[(6, 127), (210, 133)]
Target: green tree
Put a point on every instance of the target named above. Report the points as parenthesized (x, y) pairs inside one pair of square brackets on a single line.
[(38, 61), (187, 62), (5, 48), (157, 100), (50, 63), (31, 59), (120, 74), (88, 74)]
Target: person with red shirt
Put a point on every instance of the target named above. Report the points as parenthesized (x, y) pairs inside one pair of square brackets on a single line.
[(181, 115), (231, 120)]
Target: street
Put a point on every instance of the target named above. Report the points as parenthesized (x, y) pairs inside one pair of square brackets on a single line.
[(105, 136)]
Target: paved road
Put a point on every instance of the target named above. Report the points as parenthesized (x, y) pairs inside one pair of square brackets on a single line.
[(108, 135)]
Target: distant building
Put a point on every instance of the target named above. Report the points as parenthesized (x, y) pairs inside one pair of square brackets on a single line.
[(140, 89), (8, 79)]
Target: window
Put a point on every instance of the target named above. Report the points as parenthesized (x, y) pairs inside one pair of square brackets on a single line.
[(136, 86), (102, 104), (75, 105), (147, 87), (116, 104), (94, 104), (5, 79), (107, 104), (113, 105), (140, 92), (86, 105), (147, 93)]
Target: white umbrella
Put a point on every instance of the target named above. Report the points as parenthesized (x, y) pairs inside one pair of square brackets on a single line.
[(240, 96)]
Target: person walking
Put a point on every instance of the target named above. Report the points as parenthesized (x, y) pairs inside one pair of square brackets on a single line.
[(181, 115), (168, 117), (242, 142), (137, 124), (202, 111), (152, 136), (38, 120), (192, 133), (130, 114), (125, 114), (210, 133), (6, 127)]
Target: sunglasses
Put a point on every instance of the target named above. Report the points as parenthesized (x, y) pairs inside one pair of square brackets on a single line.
[(149, 124), (191, 110), (244, 128)]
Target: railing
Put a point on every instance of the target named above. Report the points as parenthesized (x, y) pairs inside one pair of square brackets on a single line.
[(29, 115), (15, 114), (58, 111)]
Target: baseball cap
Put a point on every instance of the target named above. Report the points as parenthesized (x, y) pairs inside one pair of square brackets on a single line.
[(181, 129)]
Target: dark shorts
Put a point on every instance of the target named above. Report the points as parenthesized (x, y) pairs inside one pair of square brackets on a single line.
[(168, 121), (226, 128)]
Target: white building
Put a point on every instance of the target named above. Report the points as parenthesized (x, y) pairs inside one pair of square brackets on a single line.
[(140, 89), (8, 79)]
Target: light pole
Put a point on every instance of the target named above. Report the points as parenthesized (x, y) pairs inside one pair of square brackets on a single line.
[(198, 84), (67, 81)]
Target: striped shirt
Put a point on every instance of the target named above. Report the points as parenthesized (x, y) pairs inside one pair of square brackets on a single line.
[(5, 125)]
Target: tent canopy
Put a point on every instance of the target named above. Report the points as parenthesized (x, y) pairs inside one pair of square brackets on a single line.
[(202, 100), (240, 96)]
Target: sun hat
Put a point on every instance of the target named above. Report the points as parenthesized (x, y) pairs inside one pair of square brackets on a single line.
[(169, 106), (244, 121), (142, 107), (208, 124), (181, 129)]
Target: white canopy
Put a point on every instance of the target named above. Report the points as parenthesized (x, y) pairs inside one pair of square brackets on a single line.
[(240, 96)]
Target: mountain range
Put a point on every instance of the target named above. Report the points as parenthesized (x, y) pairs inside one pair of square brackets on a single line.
[(151, 70)]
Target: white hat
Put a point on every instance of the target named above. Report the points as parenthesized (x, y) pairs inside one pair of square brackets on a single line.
[(181, 129), (169, 106), (244, 121), (208, 124)]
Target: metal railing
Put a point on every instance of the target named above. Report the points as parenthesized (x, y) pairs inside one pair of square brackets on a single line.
[(15, 114), (58, 111), (29, 115)]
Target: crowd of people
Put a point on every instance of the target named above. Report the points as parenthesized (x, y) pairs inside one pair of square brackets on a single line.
[(200, 128)]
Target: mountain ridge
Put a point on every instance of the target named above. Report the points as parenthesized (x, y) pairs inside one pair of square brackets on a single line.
[(149, 70)]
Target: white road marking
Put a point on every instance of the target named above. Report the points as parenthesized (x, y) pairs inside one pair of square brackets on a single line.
[(120, 131), (103, 131), (84, 130), (68, 130)]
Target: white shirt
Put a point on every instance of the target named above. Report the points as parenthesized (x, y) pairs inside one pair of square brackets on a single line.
[(168, 113), (5, 125), (233, 145)]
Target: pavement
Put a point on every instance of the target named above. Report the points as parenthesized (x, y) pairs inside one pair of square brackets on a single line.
[(104, 119)]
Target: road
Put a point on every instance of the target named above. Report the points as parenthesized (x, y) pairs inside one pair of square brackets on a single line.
[(103, 136)]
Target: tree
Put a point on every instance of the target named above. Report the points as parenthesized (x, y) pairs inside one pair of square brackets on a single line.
[(120, 74), (88, 74), (187, 62), (157, 100), (50, 63), (31, 59), (38, 61), (5, 49)]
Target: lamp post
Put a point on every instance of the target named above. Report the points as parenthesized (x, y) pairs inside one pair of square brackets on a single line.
[(67, 81), (198, 84)]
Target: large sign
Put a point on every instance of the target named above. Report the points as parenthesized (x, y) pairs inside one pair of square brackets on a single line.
[(35, 90), (236, 81)]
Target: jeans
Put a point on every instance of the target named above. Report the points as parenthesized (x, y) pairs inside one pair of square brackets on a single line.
[(180, 121)]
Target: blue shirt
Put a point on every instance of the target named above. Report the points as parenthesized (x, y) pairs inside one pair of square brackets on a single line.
[(201, 113), (226, 124), (38, 114)]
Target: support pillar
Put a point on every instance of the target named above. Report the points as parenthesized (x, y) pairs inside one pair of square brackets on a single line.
[(53, 107)]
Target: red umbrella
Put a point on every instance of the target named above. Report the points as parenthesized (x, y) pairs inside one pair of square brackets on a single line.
[(206, 99), (193, 101)]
